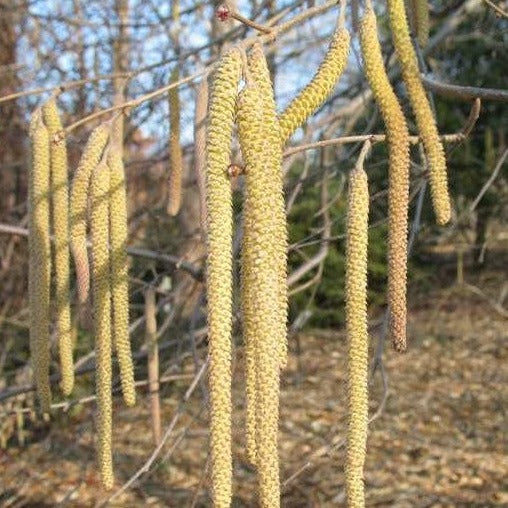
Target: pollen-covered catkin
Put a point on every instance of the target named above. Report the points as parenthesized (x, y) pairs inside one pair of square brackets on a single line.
[(261, 75), (357, 335), (422, 21), (221, 112), (79, 203), (175, 150), (120, 273), (60, 217), (273, 167), (423, 112), (321, 86), (101, 289), (39, 258), (200, 115), (258, 287), (398, 193)]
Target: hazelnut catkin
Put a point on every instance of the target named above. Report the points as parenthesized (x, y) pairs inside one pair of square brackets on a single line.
[(261, 75), (60, 218), (175, 150), (99, 226), (422, 21), (424, 118), (200, 116), (79, 203), (120, 272), (398, 193), (259, 287), (221, 112), (39, 258), (273, 168), (321, 86), (357, 334)]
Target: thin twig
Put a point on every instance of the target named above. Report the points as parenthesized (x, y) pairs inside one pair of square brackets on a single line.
[(489, 182), (464, 93), (146, 466), (498, 9), (175, 261)]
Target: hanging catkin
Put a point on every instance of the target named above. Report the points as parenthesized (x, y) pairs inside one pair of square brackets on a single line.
[(99, 226), (200, 116), (260, 74), (398, 194), (60, 218), (422, 21), (120, 272), (78, 206), (321, 86), (39, 257), (357, 334), (175, 149), (221, 111), (259, 287), (423, 112)]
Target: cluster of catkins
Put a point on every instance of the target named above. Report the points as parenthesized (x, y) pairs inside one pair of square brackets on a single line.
[(97, 195), (262, 134)]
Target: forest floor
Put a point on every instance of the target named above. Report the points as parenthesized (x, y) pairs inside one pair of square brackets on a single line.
[(441, 439)]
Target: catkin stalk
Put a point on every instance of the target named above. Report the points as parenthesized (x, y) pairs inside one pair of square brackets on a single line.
[(120, 273), (398, 193), (221, 109), (175, 150), (424, 117), (39, 258), (321, 86), (357, 334), (78, 206), (259, 286), (60, 218), (99, 225)]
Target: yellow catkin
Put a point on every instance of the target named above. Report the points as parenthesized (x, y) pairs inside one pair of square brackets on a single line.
[(259, 71), (357, 335), (39, 258), (423, 112), (99, 226), (398, 194), (261, 76), (79, 203), (60, 218), (221, 111), (120, 273), (259, 287), (175, 150), (200, 115), (422, 21), (321, 86)]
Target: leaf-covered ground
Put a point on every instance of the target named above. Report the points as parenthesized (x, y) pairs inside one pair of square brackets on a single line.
[(441, 440)]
